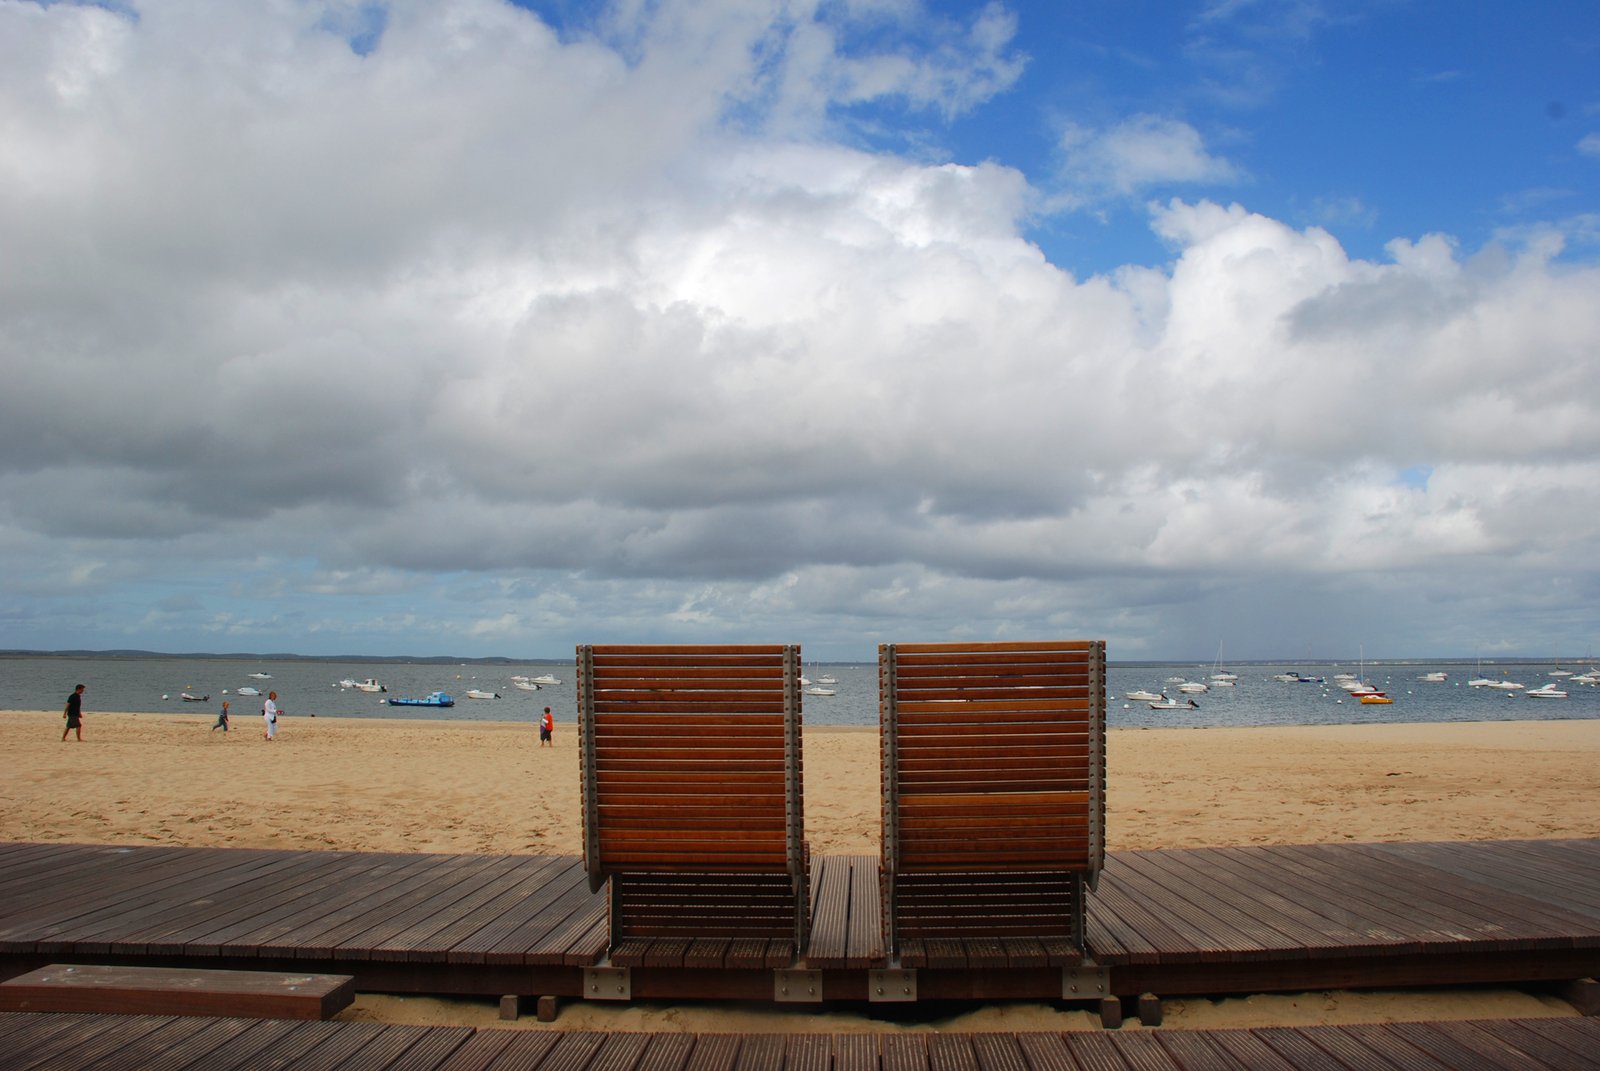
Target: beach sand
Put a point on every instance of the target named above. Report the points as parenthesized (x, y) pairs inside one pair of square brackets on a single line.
[(432, 786)]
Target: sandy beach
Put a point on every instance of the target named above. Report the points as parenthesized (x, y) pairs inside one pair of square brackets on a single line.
[(370, 784)]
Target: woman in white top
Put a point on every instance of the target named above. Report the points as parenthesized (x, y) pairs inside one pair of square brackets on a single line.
[(269, 714)]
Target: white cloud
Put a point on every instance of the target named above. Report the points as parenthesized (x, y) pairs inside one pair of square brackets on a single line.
[(493, 320), (1589, 145), (1137, 153)]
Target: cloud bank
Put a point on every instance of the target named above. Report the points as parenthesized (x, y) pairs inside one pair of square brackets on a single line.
[(453, 332)]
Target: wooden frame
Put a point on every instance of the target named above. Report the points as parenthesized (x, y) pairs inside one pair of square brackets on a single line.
[(692, 792), (993, 767)]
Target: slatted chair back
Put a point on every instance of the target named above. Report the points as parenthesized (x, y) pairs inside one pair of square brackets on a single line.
[(993, 763), (692, 790)]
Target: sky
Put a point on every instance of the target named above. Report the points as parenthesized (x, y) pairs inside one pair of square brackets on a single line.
[(1267, 328)]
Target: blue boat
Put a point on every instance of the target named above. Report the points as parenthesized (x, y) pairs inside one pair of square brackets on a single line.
[(437, 699)]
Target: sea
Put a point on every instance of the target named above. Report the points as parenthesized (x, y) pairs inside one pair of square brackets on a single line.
[(310, 688)]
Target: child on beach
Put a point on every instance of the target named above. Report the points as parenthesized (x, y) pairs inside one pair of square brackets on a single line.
[(547, 728), (222, 718)]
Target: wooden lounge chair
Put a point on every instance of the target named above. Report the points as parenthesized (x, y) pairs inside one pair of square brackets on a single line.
[(692, 802), (993, 800)]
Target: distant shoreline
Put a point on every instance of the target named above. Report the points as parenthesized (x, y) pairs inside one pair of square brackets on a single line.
[(505, 660)]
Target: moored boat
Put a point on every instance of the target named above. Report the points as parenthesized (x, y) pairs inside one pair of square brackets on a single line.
[(1546, 691), (187, 698), (1143, 696), (479, 693), (436, 699), (369, 685)]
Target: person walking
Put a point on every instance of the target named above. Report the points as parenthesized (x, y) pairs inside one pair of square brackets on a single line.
[(222, 718), (269, 715), (74, 714), (547, 728)]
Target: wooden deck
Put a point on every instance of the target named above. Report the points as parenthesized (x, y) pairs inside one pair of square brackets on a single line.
[(124, 1043), (1167, 922)]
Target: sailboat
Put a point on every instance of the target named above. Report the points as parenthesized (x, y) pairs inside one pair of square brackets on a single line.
[(1221, 678)]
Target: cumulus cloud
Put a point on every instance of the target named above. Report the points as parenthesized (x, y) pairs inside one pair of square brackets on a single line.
[(577, 337), (1137, 153)]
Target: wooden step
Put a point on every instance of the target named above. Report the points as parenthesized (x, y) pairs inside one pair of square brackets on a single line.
[(177, 991)]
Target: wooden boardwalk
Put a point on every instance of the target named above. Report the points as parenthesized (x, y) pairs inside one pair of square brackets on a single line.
[(1167, 922), (133, 1043)]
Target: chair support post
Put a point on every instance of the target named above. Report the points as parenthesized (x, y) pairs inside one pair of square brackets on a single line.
[(889, 759), (591, 790)]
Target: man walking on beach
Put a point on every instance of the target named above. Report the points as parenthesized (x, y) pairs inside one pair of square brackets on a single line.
[(269, 714), (74, 714), (547, 728)]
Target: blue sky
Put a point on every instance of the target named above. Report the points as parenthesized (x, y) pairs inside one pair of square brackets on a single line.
[(486, 329)]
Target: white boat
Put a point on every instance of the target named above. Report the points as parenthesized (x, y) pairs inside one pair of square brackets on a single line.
[(1142, 696), (1546, 691), (247, 690), (827, 679), (261, 676), (479, 693), (1437, 676), (1224, 683), (1176, 704), (368, 685), (543, 678), (347, 682), (1193, 687), (821, 691), (524, 683), (1506, 686)]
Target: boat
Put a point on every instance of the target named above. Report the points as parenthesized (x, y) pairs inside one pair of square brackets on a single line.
[(1142, 696), (524, 683), (1546, 691), (1506, 686), (1372, 698), (435, 699), (247, 690), (479, 693), (1194, 687), (187, 698), (368, 685), (348, 682), (1438, 676), (1297, 677), (1175, 704), (1220, 676), (827, 679), (544, 678), (261, 676), (816, 690)]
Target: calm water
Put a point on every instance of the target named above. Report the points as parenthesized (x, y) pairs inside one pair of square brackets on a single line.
[(307, 688)]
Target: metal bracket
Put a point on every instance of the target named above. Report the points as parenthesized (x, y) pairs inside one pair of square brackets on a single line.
[(797, 987), (892, 985), (607, 983), (1087, 982)]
